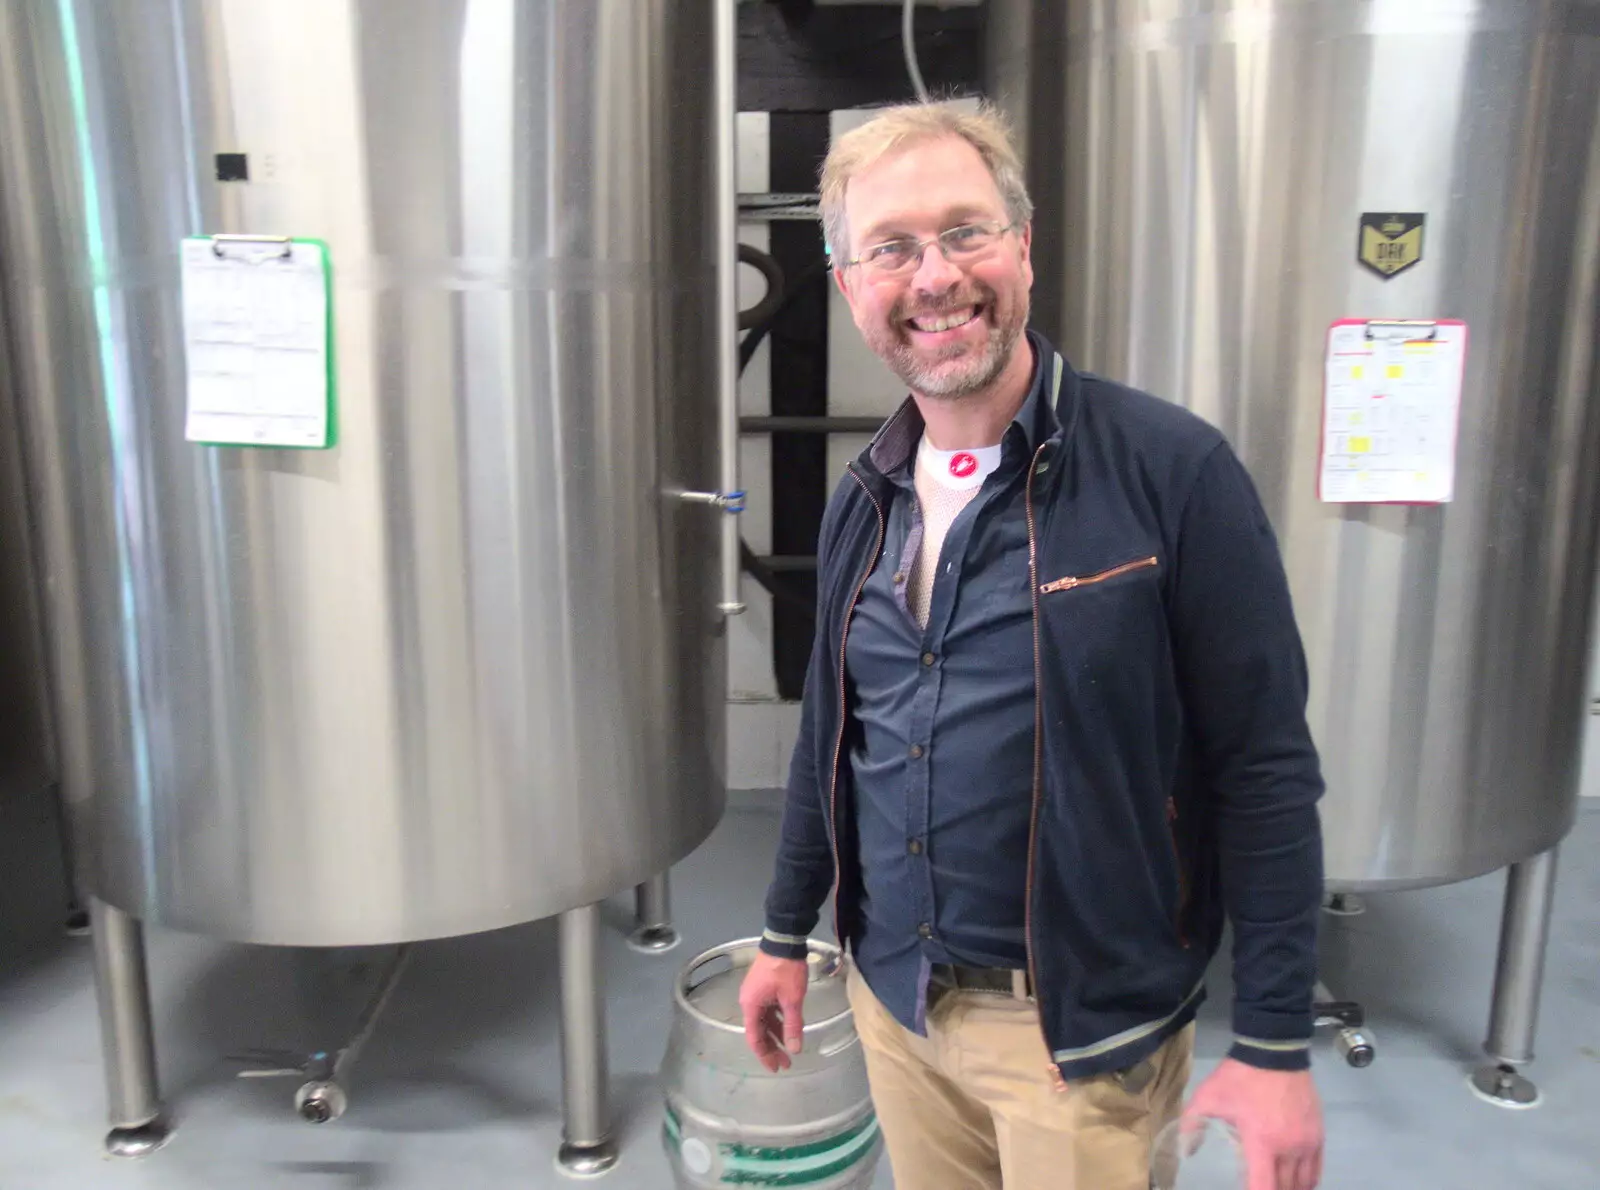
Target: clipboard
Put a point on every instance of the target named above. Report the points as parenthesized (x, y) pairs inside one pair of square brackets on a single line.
[(1391, 410), (258, 342)]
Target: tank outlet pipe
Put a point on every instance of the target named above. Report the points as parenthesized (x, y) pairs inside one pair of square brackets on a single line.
[(725, 105), (728, 497), (324, 1096)]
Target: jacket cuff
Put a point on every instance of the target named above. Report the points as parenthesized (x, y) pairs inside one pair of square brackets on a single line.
[(1271, 1055), (784, 946)]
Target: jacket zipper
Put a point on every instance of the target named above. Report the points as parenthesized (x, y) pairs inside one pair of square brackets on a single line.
[(1066, 584), (838, 743), (1038, 767), (1183, 877)]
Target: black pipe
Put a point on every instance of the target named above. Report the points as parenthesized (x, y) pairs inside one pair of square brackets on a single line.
[(772, 300), (810, 425), (767, 576)]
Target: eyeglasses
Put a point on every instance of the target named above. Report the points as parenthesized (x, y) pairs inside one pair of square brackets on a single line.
[(965, 241)]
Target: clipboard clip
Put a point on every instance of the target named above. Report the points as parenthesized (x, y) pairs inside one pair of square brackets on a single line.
[(284, 246), (1419, 330)]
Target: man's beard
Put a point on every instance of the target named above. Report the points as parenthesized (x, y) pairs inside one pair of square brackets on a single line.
[(937, 378)]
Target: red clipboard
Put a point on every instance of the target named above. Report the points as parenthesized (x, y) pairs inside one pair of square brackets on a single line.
[(1450, 332)]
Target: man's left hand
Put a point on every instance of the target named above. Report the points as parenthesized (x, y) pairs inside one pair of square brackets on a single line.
[(1277, 1116)]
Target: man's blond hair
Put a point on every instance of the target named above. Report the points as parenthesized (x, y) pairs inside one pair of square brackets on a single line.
[(896, 128)]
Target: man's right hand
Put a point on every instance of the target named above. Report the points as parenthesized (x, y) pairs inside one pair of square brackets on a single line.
[(771, 996)]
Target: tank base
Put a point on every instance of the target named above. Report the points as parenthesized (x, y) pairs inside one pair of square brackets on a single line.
[(138, 1141), (587, 1161), (653, 939), (1502, 1086)]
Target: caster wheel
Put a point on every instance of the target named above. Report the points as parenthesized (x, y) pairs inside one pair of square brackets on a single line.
[(1357, 1047)]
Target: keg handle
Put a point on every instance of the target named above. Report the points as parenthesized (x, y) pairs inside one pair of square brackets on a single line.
[(838, 1047)]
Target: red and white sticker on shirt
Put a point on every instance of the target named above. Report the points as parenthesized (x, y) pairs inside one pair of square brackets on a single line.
[(959, 470)]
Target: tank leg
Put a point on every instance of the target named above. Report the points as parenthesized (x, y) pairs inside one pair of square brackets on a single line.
[(587, 1148), (122, 988), (652, 926), (1519, 972)]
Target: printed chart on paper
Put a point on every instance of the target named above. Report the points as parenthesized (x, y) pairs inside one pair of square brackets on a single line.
[(1391, 406), (256, 336)]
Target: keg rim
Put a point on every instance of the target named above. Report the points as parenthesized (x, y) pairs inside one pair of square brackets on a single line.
[(680, 989)]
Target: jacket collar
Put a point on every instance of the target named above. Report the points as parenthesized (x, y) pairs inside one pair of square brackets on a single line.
[(1051, 406)]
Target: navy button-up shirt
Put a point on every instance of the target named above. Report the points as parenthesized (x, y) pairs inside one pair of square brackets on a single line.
[(943, 772)]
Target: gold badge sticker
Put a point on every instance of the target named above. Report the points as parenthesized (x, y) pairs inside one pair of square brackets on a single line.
[(1390, 244)]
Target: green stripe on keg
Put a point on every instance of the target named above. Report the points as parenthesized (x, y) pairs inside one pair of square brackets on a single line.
[(788, 1165)]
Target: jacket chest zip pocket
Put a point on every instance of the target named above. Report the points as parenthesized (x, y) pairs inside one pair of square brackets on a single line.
[(1072, 581)]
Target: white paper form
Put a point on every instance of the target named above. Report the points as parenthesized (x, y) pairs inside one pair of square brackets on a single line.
[(1391, 406), (255, 317)]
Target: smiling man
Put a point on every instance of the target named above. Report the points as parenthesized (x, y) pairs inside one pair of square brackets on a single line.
[(1053, 732)]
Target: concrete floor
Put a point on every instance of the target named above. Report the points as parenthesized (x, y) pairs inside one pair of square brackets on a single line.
[(460, 1086)]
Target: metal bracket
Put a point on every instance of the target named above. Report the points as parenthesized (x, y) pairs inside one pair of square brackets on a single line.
[(284, 246), (767, 207)]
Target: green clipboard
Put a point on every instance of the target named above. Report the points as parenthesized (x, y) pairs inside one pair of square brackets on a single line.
[(257, 314)]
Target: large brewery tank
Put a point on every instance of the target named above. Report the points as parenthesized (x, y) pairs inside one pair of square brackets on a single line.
[(1212, 178), (33, 893), (463, 668)]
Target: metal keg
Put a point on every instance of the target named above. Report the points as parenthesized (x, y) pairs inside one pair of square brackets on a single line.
[(729, 1122)]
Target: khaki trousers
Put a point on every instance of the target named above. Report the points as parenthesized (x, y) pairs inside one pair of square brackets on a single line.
[(974, 1105)]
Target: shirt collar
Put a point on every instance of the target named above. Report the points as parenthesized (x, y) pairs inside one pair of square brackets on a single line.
[(895, 446)]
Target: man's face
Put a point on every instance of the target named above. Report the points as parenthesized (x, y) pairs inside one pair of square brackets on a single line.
[(945, 327)]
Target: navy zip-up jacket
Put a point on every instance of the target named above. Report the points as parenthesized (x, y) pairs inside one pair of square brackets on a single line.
[(1175, 780)]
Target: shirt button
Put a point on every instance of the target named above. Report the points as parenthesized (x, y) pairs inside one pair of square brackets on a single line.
[(915, 846), (925, 931), (916, 751), (899, 577), (927, 659)]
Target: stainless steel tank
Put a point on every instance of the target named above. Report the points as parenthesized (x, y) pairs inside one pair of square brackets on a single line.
[(26, 755), (464, 668), (1210, 177), (34, 896), (729, 1122)]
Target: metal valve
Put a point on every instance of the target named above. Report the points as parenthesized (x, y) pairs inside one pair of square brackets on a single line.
[(1356, 1046), (321, 1099), (730, 502), (320, 1102)]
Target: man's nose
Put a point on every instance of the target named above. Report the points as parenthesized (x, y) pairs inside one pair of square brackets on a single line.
[(935, 274)]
